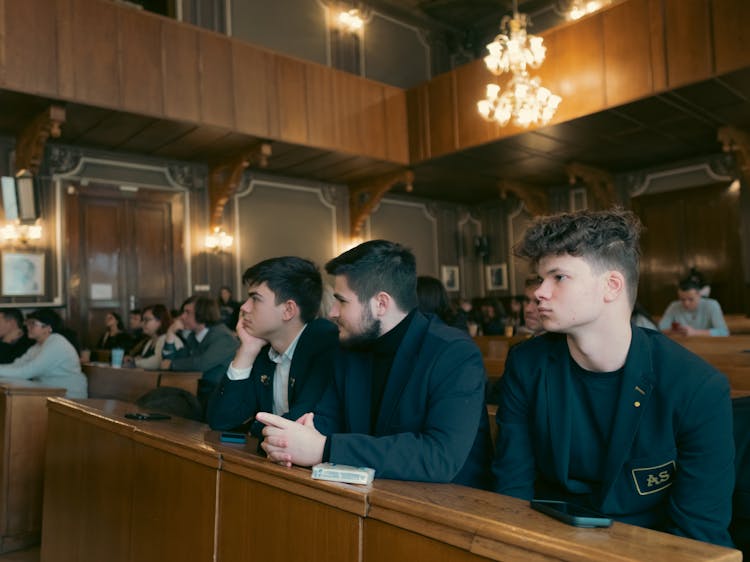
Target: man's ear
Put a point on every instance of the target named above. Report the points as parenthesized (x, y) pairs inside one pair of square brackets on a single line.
[(381, 303), (289, 310), (615, 285)]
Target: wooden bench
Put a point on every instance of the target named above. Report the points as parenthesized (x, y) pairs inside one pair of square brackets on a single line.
[(498, 346), (127, 384)]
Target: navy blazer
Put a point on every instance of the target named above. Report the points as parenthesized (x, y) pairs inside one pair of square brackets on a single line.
[(234, 403), (432, 424), (670, 461)]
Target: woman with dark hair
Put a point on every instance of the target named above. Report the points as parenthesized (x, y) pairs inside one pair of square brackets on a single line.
[(433, 299), (115, 334), (52, 360), (156, 320)]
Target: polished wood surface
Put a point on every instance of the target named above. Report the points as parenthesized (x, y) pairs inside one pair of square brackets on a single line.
[(129, 384), (23, 430)]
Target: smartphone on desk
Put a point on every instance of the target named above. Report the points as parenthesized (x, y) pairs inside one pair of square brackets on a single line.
[(147, 416), (571, 513), (232, 437)]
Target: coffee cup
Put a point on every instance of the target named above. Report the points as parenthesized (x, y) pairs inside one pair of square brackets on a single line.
[(117, 355)]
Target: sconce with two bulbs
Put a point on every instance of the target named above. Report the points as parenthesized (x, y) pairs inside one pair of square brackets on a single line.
[(218, 240), (19, 203)]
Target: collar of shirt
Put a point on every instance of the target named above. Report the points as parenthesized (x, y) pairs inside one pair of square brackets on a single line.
[(202, 334), (277, 357)]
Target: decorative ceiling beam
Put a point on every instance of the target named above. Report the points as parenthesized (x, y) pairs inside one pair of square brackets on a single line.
[(32, 139), (365, 196), (225, 175), (737, 142), (600, 184), (534, 198)]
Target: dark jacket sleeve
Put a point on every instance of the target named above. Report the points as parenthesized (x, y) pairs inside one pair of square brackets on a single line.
[(233, 403), (214, 352)]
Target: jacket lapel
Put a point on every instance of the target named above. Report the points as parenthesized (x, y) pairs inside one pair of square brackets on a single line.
[(265, 372)]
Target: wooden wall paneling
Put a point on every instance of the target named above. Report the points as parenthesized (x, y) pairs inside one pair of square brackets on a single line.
[(291, 90), (181, 75), (731, 34), (321, 107), (255, 100), (418, 123), (442, 114), (95, 41), (471, 86), (3, 36), (141, 64), (348, 106), (152, 250), (396, 125), (28, 37), (64, 53), (574, 68), (95, 484), (627, 52), (389, 543), (688, 40), (658, 44), (217, 88), (372, 118)]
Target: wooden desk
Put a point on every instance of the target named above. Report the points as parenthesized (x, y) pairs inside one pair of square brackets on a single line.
[(23, 415), (416, 521), (129, 384)]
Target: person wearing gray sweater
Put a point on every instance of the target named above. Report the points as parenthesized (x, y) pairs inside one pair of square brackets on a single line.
[(52, 361)]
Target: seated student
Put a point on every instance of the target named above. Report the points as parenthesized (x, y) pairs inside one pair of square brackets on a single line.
[(114, 335), (433, 299), (492, 317), (229, 309), (13, 339), (407, 398), (604, 414), (52, 360), (532, 324), (692, 314), (285, 358), (148, 353), (209, 347)]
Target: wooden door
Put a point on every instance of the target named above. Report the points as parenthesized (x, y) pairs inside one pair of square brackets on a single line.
[(125, 251), (691, 228)]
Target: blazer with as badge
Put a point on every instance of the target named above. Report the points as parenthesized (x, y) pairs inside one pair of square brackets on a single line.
[(233, 403), (432, 425), (670, 461)]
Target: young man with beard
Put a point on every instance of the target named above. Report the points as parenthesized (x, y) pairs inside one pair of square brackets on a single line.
[(407, 397), (602, 413), (285, 358)]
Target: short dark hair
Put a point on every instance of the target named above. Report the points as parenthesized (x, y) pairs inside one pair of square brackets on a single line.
[(290, 278), (13, 314), (432, 296), (379, 265), (206, 310), (48, 317), (605, 239), (690, 283)]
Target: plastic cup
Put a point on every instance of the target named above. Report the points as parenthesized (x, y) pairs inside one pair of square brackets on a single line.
[(117, 355)]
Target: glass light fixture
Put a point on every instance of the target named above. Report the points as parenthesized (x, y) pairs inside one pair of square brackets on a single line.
[(513, 50), (219, 240), (23, 233), (578, 8), (350, 20), (524, 100)]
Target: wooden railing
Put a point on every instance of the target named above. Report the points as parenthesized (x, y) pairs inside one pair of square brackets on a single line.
[(129, 384)]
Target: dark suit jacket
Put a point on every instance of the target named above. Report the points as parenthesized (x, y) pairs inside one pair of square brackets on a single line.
[(670, 462), (432, 424), (234, 402)]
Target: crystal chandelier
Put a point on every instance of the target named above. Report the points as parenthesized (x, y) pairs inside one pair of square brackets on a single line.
[(524, 100), (513, 50)]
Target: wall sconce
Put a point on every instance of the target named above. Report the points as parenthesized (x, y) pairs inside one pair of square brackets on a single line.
[(19, 205), (218, 240), (350, 21), (23, 233)]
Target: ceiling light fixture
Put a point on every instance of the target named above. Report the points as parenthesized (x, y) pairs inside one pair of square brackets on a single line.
[(524, 100)]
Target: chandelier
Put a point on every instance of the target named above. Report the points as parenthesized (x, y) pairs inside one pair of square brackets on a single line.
[(524, 100), (513, 50)]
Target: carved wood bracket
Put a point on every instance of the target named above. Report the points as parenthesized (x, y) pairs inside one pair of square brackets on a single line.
[(31, 141), (534, 198), (737, 142), (365, 196), (600, 184), (225, 175)]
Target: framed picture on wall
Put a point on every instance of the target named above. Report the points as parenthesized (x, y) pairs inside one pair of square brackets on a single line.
[(497, 276), (22, 274), (449, 277)]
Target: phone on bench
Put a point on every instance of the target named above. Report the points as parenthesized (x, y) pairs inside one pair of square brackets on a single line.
[(571, 513), (233, 437), (147, 416)]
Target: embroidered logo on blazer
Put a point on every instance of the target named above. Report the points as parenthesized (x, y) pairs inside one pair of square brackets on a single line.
[(654, 478)]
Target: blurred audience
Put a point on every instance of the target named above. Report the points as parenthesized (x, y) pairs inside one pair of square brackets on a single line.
[(229, 309), (148, 353), (114, 334), (13, 339), (693, 314)]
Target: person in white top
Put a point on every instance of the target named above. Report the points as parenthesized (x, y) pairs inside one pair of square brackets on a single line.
[(156, 320), (52, 361)]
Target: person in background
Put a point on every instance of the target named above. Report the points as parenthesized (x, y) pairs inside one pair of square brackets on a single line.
[(692, 314), (601, 413), (13, 339), (433, 299), (52, 360), (229, 309), (209, 347), (532, 323), (115, 334), (285, 359), (492, 317), (407, 396), (148, 353)]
